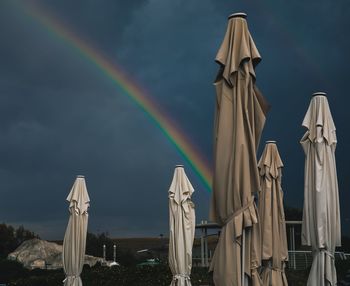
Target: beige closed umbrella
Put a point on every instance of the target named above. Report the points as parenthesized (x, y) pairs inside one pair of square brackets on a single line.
[(182, 227), (274, 249), (239, 120), (321, 215), (75, 237)]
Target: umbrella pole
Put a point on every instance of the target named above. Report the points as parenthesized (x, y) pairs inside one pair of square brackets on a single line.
[(243, 257), (244, 278)]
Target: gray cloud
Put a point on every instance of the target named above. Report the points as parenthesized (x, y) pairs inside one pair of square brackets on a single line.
[(60, 116)]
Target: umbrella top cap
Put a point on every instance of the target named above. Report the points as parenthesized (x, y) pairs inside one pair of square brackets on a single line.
[(81, 176), (179, 166), (319, 93), (238, 15), (271, 142)]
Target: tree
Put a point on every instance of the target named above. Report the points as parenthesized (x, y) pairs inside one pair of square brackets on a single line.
[(293, 213), (94, 246), (7, 240), (23, 234), (11, 238)]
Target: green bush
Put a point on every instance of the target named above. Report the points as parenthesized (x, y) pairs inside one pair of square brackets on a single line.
[(10, 270), (158, 275), (343, 266), (51, 279)]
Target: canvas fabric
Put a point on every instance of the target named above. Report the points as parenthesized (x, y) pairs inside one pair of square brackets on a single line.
[(240, 114), (182, 228), (321, 213), (74, 242), (274, 248)]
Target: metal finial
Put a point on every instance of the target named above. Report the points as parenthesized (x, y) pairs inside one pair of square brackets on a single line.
[(319, 93), (238, 15)]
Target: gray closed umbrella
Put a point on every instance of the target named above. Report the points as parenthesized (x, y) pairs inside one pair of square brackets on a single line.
[(75, 237), (182, 227), (321, 215), (239, 120), (274, 249)]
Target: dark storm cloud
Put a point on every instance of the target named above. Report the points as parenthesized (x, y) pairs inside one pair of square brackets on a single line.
[(102, 23), (60, 116)]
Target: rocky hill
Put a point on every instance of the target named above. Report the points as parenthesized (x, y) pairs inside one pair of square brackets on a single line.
[(36, 253)]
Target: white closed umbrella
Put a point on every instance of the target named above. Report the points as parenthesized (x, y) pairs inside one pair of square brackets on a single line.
[(75, 237), (182, 228), (321, 215)]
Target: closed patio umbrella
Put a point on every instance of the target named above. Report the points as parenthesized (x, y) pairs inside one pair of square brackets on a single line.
[(239, 120), (182, 228), (274, 249), (321, 215), (75, 237)]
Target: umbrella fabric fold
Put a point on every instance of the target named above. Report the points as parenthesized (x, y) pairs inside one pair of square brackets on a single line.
[(321, 215), (75, 237), (274, 249), (182, 228), (239, 120)]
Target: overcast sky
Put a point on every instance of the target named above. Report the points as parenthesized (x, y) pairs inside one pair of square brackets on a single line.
[(60, 116)]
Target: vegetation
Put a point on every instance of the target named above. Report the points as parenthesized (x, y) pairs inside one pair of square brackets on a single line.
[(14, 274), (94, 245), (11, 238), (11, 270), (345, 244), (293, 213)]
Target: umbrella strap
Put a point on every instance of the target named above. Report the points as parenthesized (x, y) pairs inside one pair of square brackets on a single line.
[(71, 277), (275, 269), (236, 213), (179, 276), (331, 255)]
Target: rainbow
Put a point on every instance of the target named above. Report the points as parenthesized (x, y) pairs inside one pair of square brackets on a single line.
[(129, 88)]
